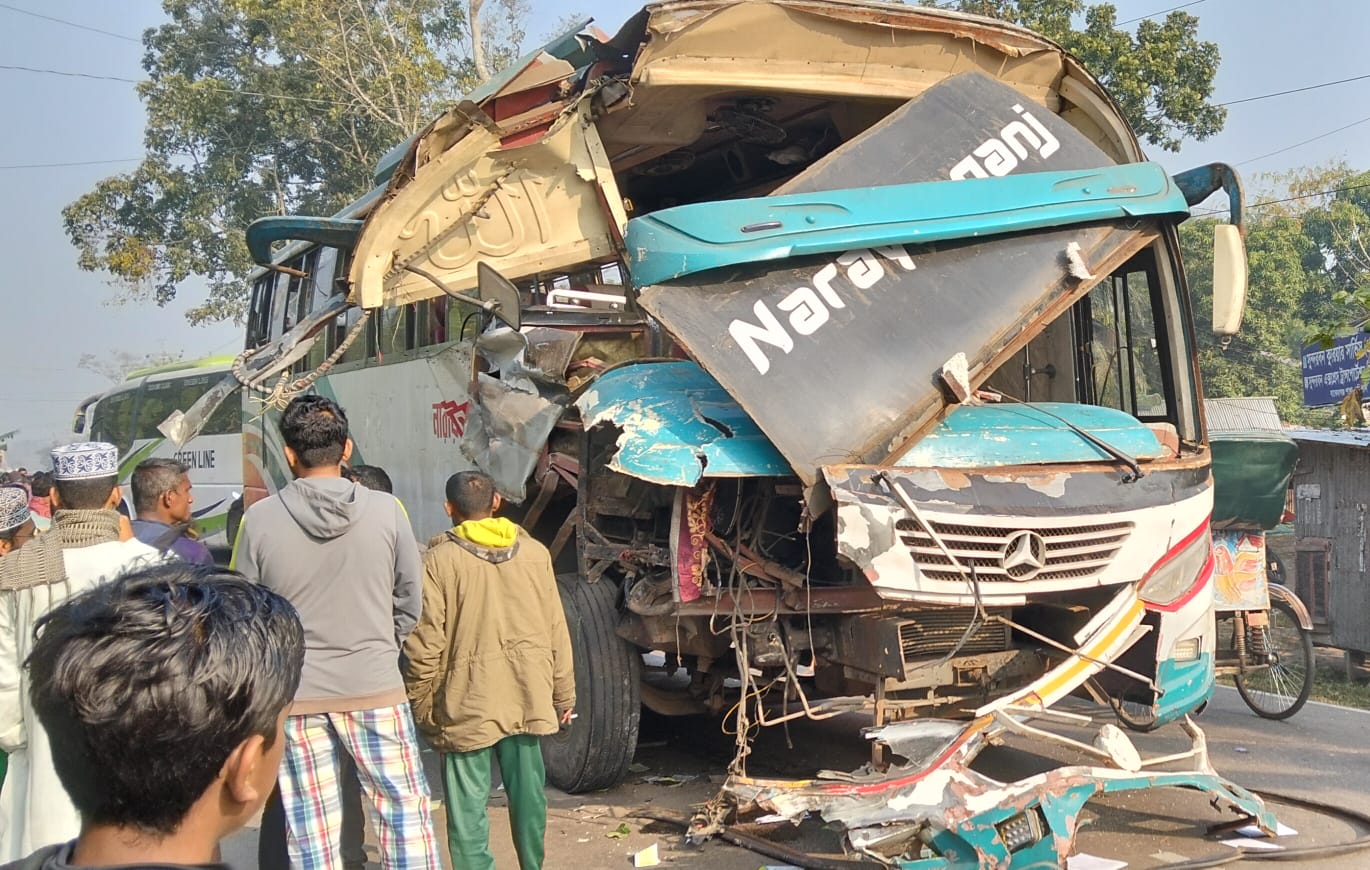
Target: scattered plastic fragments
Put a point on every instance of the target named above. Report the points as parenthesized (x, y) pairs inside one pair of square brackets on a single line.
[(673, 781), (648, 857)]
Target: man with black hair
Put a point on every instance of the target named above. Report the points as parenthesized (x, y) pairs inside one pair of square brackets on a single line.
[(162, 499), (40, 486), (175, 661), (82, 550), (489, 670), (370, 476), (272, 853), (344, 556)]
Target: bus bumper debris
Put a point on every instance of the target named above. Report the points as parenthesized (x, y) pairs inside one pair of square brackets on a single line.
[(934, 811)]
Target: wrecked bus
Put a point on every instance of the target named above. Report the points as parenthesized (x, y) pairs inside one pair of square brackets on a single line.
[(840, 352)]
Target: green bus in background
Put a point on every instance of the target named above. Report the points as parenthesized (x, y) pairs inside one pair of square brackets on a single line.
[(129, 414)]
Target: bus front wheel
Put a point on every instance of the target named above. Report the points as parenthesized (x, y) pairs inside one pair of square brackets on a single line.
[(594, 751)]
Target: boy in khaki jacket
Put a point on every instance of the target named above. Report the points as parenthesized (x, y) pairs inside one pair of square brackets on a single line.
[(489, 669)]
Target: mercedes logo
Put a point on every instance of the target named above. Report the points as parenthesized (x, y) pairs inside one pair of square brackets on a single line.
[(1024, 555)]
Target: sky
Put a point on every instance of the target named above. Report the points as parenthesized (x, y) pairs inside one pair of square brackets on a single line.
[(53, 312)]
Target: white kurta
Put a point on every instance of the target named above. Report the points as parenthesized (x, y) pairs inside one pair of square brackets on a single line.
[(34, 808)]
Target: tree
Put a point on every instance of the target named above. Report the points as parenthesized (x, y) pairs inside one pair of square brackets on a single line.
[(117, 367), (1333, 203), (270, 107), (1161, 76)]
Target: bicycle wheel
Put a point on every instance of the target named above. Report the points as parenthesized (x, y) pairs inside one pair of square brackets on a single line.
[(1278, 688), (1135, 715)]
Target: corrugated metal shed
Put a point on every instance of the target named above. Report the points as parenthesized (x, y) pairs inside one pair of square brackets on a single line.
[(1340, 437), (1331, 515), (1250, 412)]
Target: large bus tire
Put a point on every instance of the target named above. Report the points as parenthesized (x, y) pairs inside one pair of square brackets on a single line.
[(595, 750)]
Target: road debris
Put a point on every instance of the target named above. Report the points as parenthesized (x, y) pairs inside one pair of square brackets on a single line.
[(648, 857)]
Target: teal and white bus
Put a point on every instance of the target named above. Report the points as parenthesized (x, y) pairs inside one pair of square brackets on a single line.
[(129, 414), (839, 352)]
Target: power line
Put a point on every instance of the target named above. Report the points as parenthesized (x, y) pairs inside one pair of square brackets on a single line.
[(70, 163), (71, 23), (1162, 12), (1295, 90), (1304, 142), (201, 84), (1256, 205), (74, 75)]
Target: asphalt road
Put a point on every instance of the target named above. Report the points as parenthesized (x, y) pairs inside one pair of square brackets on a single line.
[(1320, 755)]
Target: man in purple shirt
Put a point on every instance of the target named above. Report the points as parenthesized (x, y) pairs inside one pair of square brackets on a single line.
[(162, 499)]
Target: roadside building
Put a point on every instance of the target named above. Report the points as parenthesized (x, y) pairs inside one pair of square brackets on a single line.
[(1331, 570)]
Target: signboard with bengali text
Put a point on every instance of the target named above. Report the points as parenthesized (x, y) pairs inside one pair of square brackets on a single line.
[(1329, 373)]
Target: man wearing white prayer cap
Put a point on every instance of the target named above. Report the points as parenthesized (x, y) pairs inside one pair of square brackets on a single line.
[(16, 519), (81, 550)]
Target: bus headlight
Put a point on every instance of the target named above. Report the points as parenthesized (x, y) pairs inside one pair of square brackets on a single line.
[(1179, 573)]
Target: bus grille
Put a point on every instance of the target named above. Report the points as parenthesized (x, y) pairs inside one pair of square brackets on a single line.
[(1071, 552), (935, 632)]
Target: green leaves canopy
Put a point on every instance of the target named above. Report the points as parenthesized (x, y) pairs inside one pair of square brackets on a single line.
[(259, 107), (1161, 76)]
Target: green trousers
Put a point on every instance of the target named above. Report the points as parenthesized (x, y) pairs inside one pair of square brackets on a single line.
[(466, 784)]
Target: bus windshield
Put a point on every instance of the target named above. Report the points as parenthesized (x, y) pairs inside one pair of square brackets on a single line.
[(128, 417)]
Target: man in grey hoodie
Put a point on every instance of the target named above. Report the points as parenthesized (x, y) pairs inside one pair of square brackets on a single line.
[(344, 556)]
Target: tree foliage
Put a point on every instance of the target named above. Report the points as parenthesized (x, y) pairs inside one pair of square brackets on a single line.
[(261, 107), (1309, 280), (1333, 204), (1161, 75), (119, 365)]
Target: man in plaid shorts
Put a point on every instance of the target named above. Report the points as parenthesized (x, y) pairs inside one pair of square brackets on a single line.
[(344, 555)]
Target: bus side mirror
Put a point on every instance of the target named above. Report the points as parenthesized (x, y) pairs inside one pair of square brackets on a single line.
[(1229, 280), (499, 296)]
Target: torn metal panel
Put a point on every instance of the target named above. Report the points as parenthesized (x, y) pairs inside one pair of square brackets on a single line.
[(967, 819), (503, 435), (678, 425), (835, 330), (509, 430), (521, 209), (853, 51)]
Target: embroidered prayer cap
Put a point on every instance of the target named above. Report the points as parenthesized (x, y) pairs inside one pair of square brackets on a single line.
[(14, 508), (85, 460)]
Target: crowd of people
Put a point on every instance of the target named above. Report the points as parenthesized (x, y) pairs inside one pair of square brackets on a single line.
[(151, 702)]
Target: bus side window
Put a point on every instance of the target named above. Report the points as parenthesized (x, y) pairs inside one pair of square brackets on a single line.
[(397, 328), (227, 419), (304, 303), (159, 399), (284, 319), (259, 311), (113, 420), (1120, 329), (320, 291), (357, 351), (431, 317)]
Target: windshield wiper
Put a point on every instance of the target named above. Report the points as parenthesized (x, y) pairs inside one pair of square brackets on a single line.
[(1134, 472)]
